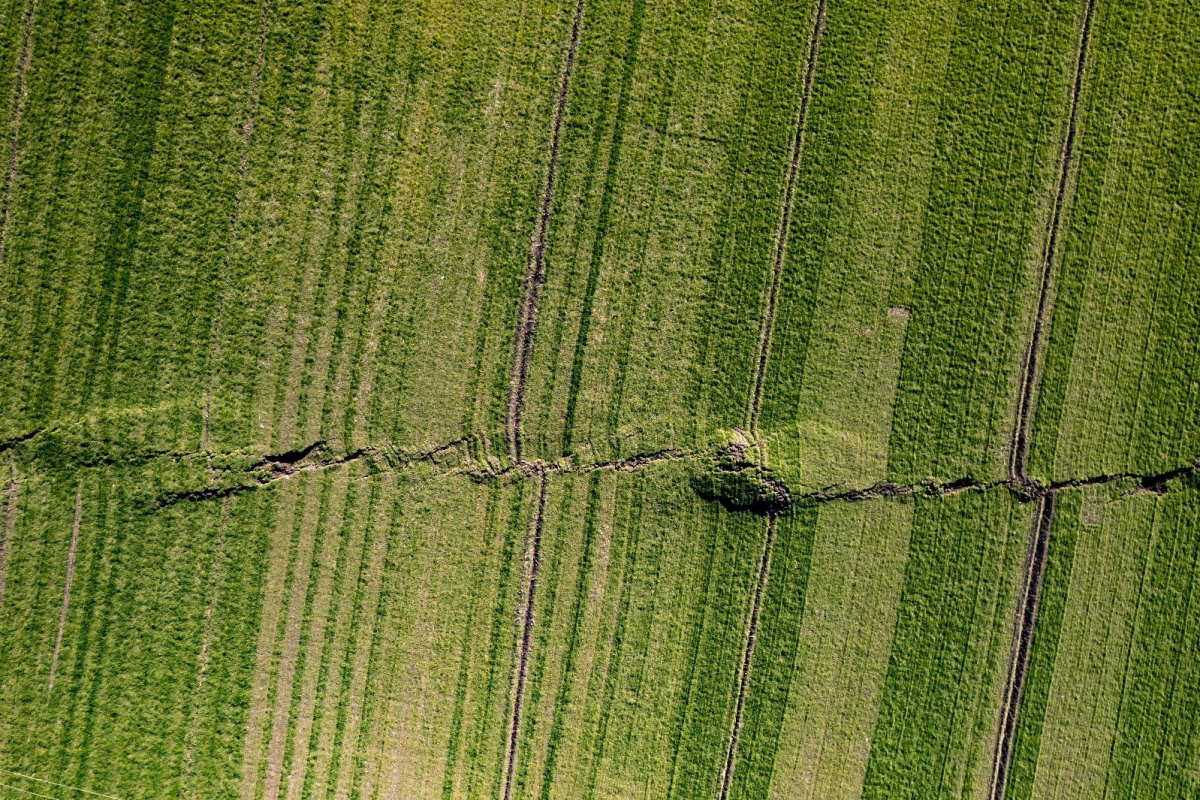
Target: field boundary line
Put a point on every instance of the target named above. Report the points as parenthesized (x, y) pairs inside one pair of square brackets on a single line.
[(1035, 568), (19, 93), (764, 570), (526, 639), (6, 529), (208, 612), (62, 617), (236, 217), (779, 250), (535, 268), (1018, 452)]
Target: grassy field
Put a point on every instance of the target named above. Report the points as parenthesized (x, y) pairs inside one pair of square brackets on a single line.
[(599, 399)]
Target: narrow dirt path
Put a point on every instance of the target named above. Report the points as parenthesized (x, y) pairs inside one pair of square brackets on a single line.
[(1035, 566), (785, 220), (208, 612), (530, 593), (62, 617), (20, 91), (535, 270), (6, 531), (764, 570)]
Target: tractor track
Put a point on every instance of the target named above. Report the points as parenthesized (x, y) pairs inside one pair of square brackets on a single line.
[(535, 270), (785, 219)]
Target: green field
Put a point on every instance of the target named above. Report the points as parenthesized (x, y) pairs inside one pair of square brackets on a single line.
[(588, 399)]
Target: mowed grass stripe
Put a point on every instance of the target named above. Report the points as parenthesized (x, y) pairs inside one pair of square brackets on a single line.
[(855, 227), (11, 495), (1119, 392), (937, 721), (1006, 87), (678, 126), (1119, 676)]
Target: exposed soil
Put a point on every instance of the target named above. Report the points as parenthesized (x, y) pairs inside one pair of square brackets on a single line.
[(10, 522)]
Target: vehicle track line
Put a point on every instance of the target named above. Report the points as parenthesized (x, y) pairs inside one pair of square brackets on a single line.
[(62, 617), (1035, 566), (535, 269), (20, 91), (1020, 445), (10, 523), (208, 612), (526, 637), (764, 569), (785, 219), (236, 217)]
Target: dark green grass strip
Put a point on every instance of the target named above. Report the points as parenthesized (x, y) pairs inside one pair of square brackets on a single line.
[(1052, 605), (602, 220), (781, 616)]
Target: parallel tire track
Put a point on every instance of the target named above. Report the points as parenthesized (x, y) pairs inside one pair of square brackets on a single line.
[(1035, 565), (1020, 445), (1019, 451), (20, 91), (785, 218), (526, 637), (764, 569), (62, 617), (535, 270)]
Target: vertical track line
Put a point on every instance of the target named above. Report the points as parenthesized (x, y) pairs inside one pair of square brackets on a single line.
[(535, 268), (208, 612), (785, 220), (764, 569), (20, 92), (235, 218), (62, 617), (1020, 445), (1035, 567), (526, 638)]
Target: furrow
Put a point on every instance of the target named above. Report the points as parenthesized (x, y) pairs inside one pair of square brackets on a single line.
[(764, 569), (208, 612), (62, 617), (1018, 453), (535, 270), (1022, 640), (18, 104), (785, 219), (526, 637)]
